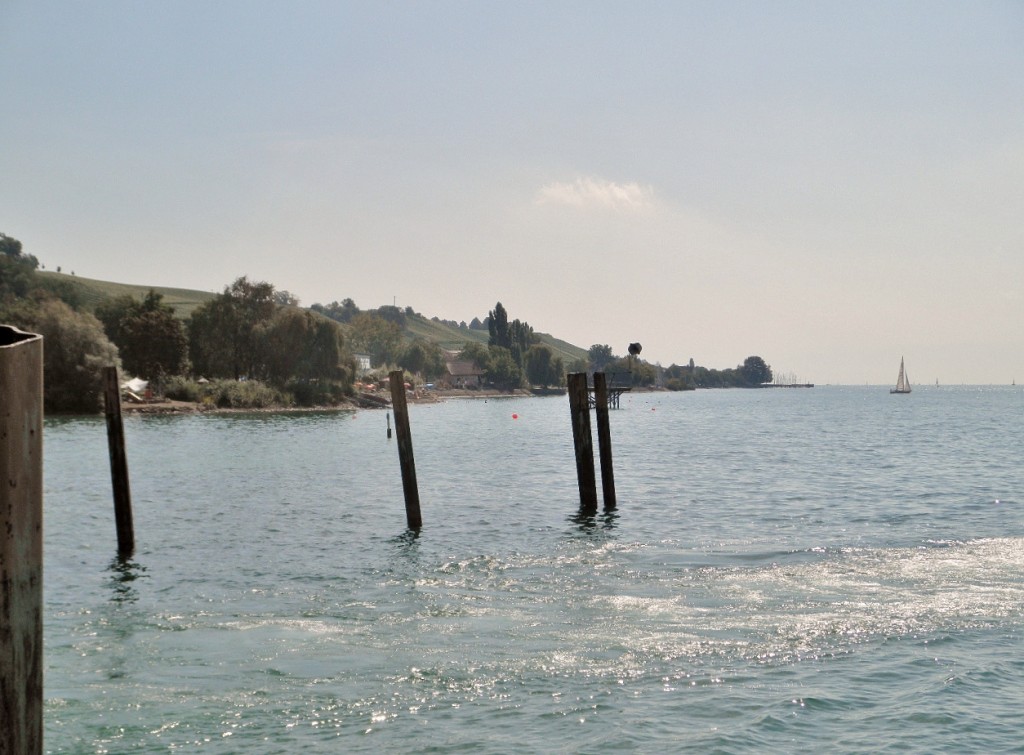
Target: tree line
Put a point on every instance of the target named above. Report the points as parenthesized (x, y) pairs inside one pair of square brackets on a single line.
[(514, 356), (752, 373), (76, 348), (380, 334), (250, 333), (259, 340)]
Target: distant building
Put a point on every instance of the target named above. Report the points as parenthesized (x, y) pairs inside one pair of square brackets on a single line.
[(462, 375)]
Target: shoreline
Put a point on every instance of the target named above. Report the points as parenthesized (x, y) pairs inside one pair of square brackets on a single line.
[(354, 403), (375, 401), (369, 401)]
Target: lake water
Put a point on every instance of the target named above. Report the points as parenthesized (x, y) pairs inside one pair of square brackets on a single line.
[(788, 570)]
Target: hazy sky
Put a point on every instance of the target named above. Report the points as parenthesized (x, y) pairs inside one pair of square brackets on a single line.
[(829, 185)]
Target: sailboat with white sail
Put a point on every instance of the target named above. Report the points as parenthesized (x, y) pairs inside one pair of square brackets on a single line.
[(902, 383)]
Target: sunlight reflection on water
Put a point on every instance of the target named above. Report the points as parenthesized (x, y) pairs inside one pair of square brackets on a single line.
[(277, 601)]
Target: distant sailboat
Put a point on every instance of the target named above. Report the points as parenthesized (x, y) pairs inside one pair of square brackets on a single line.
[(902, 384)]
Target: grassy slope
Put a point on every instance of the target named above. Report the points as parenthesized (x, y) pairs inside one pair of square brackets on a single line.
[(186, 300), (94, 291), (453, 338)]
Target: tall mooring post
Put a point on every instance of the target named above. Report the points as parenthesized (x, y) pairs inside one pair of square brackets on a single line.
[(118, 464), (21, 542), (604, 440), (412, 494), (579, 409)]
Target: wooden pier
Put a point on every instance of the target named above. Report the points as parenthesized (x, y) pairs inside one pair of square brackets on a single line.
[(618, 383)]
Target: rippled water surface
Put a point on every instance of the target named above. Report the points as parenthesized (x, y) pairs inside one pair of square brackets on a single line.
[(788, 570)]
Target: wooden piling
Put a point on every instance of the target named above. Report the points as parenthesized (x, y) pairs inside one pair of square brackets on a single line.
[(604, 440), (118, 464), (579, 409), (21, 542), (405, 457)]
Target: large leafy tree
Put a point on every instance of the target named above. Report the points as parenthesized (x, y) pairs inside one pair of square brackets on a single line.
[(502, 369), (521, 337), (155, 345), (516, 336), (436, 364), (150, 338), (246, 332), (497, 326), (348, 310), (423, 357), (284, 298), (325, 356), (112, 311), (17, 270), (755, 371), (300, 345), (281, 339), (413, 358), (75, 353), (254, 304), (394, 314), (475, 352), (223, 332), (543, 368), (210, 339), (373, 335), (600, 356), (10, 246)]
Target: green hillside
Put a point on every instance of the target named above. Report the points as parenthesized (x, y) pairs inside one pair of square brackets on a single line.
[(564, 349), (447, 337), (91, 292)]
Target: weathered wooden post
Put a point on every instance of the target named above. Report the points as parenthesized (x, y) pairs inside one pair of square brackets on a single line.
[(604, 440), (388, 415), (118, 464), (579, 408), (21, 542), (405, 458)]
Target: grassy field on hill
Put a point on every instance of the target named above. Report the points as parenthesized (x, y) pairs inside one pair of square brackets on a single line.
[(185, 301), (92, 292), (451, 338)]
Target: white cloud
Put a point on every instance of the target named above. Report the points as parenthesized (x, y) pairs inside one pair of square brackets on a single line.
[(597, 193)]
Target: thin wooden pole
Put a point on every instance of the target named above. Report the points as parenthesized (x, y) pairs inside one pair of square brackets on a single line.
[(604, 440), (21, 541), (405, 457), (579, 409), (118, 465)]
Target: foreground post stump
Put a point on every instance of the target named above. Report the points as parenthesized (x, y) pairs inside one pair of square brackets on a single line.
[(579, 409), (604, 440), (21, 542), (118, 464), (405, 457)]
